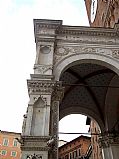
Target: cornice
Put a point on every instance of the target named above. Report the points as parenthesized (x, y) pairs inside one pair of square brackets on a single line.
[(42, 86), (35, 148), (35, 138), (46, 23), (87, 31), (43, 30)]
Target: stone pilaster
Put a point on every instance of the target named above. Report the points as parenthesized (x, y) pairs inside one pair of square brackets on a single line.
[(35, 134), (57, 96)]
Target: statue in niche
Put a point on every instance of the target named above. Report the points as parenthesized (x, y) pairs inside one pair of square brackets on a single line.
[(24, 123)]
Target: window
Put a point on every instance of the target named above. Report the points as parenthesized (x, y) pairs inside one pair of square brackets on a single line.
[(15, 143), (75, 154), (79, 152), (13, 153), (5, 142), (70, 155), (3, 152), (66, 157)]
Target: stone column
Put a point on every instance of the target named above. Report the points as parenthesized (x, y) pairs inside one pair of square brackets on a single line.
[(110, 146)]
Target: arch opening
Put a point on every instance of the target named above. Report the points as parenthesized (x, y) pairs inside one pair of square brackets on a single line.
[(78, 133), (87, 87)]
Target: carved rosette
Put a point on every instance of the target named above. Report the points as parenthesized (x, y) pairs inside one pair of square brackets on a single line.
[(108, 140), (115, 53)]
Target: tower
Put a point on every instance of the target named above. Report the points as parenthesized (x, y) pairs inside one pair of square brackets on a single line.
[(102, 13)]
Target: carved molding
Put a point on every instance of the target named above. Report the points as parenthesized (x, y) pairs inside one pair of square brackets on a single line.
[(34, 156), (86, 31), (51, 28), (40, 87), (36, 138), (35, 148), (36, 143), (42, 69)]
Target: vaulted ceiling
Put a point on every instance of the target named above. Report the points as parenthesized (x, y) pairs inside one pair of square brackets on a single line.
[(86, 86)]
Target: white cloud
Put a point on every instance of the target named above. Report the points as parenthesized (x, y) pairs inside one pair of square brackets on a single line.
[(74, 123)]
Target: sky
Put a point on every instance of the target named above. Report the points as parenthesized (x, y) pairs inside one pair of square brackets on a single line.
[(18, 51)]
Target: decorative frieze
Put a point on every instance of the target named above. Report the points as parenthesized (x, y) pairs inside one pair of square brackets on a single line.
[(68, 51), (40, 87), (43, 86), (87, 39)]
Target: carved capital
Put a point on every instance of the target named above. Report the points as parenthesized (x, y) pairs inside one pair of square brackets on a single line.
[(108, 140), (58, 92)]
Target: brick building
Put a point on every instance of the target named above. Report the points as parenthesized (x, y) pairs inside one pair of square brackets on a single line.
[(9, 146), (102, 13), (94, 129), (75, 149)]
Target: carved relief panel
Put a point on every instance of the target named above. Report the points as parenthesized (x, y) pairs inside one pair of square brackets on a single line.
[(67, 51)]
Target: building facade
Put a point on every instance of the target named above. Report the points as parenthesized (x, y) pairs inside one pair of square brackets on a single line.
[(70, 62), (102, 13), (9, 146), (75, 149)]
